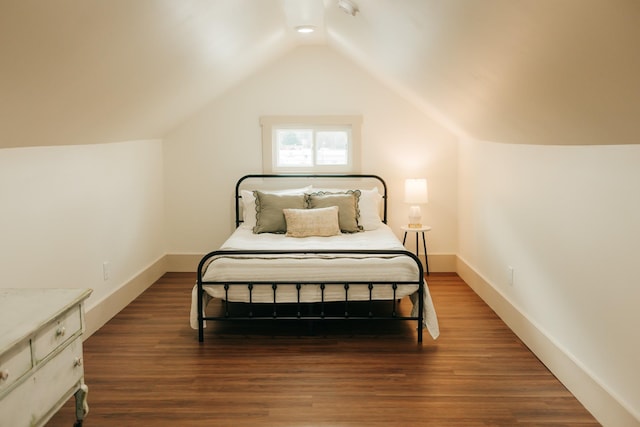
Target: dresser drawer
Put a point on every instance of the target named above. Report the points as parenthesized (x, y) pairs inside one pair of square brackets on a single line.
[(37, 398), (14, 364), (57, 333)]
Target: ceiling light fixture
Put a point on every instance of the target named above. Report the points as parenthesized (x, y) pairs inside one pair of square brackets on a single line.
[(305, 29), (348, 7)]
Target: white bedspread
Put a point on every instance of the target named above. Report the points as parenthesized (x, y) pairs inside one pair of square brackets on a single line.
[(330, 267)]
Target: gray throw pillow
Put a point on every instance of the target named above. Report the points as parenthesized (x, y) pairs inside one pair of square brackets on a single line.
[(269, 215), (347, 204)]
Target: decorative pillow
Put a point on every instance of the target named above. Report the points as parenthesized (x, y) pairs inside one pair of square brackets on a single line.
[(269, 215), (321, 222), (249, 203), (369, 206), (347, 204)]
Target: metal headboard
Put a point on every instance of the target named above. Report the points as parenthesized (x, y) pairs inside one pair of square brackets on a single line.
[(238, 197)]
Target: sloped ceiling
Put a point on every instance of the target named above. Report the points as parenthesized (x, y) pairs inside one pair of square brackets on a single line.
[(517, 71), (513, 71)]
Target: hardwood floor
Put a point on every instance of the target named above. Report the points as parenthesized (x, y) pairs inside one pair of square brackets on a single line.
[(146, 368)]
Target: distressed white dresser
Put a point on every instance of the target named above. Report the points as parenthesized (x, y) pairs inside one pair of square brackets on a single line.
[(41, 354)]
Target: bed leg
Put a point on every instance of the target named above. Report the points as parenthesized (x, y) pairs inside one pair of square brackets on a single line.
[(200, 315)]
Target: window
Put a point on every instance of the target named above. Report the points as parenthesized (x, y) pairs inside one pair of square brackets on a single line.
[(320, 144)]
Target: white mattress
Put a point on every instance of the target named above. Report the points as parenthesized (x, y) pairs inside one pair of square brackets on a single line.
[(329, 267)]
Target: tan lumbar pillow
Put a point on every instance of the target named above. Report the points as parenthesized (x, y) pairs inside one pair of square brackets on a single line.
[(321, 222)]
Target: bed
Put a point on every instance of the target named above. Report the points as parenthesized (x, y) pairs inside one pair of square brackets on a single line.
[(301, 250)]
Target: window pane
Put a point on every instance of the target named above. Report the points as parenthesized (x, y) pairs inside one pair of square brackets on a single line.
[(294, 147), (332, 148)]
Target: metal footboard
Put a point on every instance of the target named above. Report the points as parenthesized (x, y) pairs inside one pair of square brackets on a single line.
[(276, 311)]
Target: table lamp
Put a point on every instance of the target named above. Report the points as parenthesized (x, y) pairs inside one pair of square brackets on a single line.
[(415, 193)]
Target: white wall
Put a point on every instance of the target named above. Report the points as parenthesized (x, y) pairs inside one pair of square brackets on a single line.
[(210, 151), (67, 209), (567, 219)]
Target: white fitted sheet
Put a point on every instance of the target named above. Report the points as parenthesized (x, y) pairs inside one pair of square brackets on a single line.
[(340, 268)]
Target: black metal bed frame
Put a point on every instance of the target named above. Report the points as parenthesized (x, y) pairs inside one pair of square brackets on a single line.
[(276, 312)]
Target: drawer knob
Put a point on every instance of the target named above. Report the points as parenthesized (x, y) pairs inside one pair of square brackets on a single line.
[(77, 362), (61, 331), (4, 375)]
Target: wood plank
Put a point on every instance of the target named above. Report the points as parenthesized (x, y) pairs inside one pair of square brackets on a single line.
[(146, 367)]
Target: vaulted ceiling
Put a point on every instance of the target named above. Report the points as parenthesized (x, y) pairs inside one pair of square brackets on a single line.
[(514, 71)]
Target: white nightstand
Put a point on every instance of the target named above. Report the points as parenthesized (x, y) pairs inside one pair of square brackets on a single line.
[(417, 230)]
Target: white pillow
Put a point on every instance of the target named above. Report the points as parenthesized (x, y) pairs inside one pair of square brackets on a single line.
[(322, 222), (249, 203), (369, 205)]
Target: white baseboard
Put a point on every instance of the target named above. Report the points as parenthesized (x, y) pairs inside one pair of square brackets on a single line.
[(110, 305), (441, 263), (594, 396), (438, 263), (183, 263)]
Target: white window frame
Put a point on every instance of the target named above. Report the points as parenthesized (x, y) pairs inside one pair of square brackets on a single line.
[(318, 123)]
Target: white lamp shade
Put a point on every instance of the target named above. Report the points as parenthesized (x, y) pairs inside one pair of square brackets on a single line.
[(415, 191)]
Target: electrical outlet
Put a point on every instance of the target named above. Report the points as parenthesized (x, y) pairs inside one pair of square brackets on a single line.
[(106, 270), (510, 275)]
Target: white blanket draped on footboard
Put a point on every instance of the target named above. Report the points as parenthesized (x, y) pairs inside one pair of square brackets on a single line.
[(339, 268)]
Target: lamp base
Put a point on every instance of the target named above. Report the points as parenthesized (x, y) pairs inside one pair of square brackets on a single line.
[(415, 217)]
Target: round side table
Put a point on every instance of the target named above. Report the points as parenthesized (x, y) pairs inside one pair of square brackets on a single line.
[(417, 230)]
